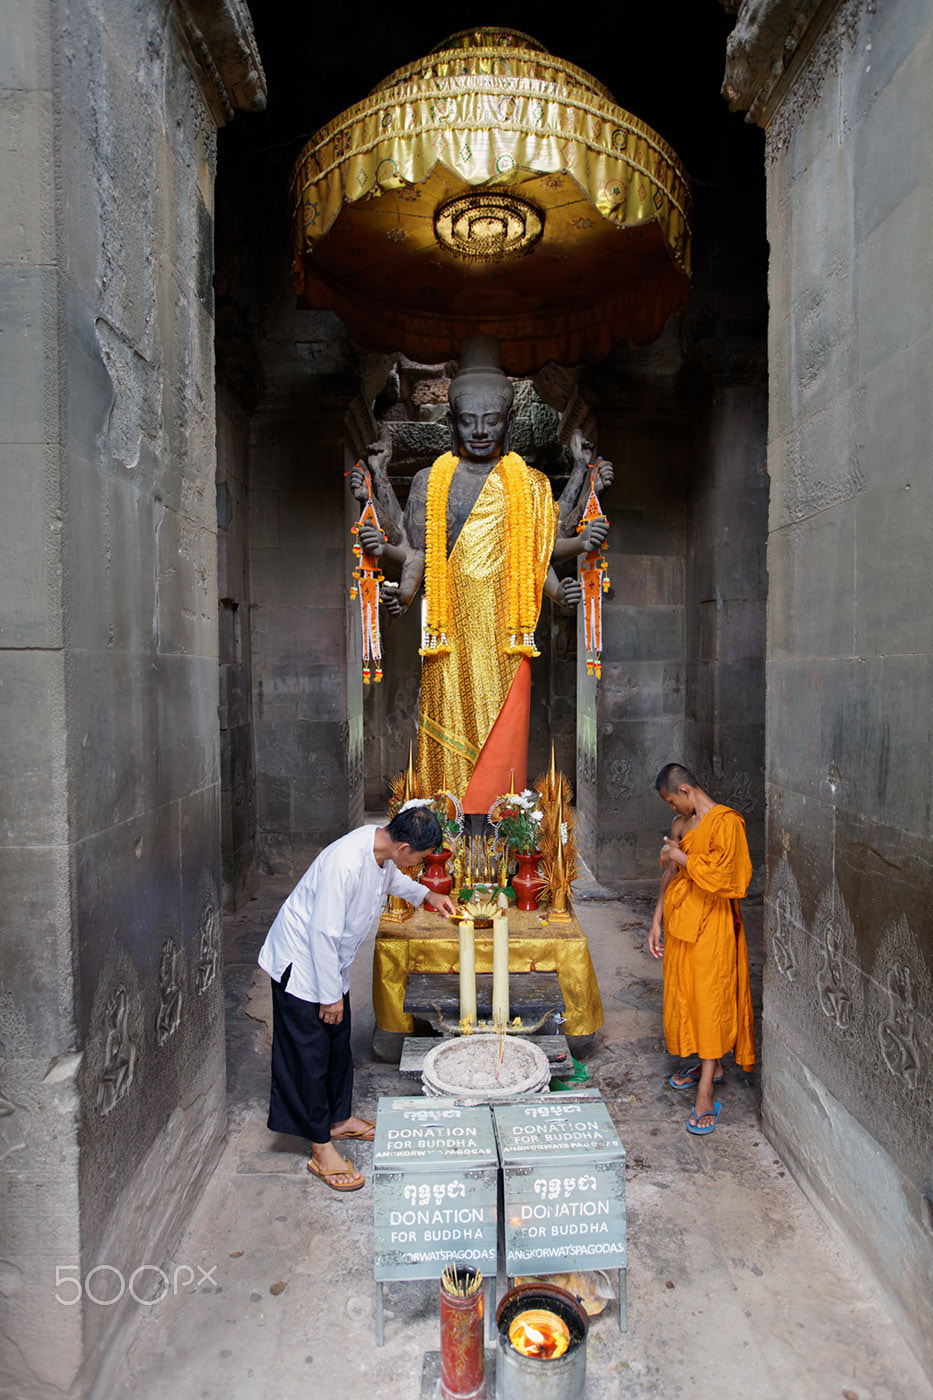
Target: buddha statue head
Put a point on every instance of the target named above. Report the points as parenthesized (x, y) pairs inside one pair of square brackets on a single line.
[(480, 413)]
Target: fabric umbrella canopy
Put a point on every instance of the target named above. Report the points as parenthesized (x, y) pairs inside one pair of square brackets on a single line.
[(492, 188)]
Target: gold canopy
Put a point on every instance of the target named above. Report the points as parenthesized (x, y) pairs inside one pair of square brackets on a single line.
[(492, 188)]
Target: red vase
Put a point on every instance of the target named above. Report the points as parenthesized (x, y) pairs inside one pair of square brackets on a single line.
[(435, 873), (526, 882)]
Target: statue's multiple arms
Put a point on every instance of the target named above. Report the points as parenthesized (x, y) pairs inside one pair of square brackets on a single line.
[(562, 590), (393, 546), (413, 565), (404, 545), (573, 501), (568, 503)]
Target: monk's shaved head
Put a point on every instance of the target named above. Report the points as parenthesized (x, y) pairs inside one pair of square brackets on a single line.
[(672, 776)]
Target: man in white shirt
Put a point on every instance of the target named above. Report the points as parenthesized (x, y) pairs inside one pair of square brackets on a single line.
[(308, 953)]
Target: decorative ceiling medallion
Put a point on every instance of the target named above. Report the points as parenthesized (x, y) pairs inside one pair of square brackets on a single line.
[(488, 226)]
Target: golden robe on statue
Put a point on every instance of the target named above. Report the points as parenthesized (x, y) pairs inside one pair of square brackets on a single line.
[(476, 698), (707, 999)]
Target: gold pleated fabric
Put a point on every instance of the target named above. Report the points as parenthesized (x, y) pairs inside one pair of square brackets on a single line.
[(613, 261), (427, 943), (463, 691)]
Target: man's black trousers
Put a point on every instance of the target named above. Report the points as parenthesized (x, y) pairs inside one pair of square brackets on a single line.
[(312, 1068)]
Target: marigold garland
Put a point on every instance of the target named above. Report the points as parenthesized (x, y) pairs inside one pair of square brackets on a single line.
[(523, 592), (522, 582), (437, 596)]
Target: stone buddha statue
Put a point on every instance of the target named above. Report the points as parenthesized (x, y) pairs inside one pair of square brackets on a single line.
[(482, 531)]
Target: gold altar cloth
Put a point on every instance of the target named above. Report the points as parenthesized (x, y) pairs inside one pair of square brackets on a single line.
[(614, 258), (428, 943)]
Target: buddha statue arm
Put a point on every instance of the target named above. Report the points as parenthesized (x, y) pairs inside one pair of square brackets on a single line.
[(394, 548), (589, 539), (562, 590), (411, 564), (573, 501), (581, 451), (575, 494)]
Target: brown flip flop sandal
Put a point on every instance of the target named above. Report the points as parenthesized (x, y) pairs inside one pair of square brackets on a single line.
[(345, 1170), (366, 1134)]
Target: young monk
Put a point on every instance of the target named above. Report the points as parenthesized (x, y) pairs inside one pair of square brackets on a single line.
[(707, 999)]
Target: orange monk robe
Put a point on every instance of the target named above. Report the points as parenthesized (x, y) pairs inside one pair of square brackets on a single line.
[(707, 999)]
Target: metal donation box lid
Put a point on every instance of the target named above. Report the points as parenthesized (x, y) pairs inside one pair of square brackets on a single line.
[(556, 1132), (422, 1133)]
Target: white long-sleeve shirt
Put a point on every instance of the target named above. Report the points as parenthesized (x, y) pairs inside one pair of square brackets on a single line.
[(328, 914)]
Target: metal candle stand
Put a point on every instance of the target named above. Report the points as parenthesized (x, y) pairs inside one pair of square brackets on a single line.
[(521, 1377)]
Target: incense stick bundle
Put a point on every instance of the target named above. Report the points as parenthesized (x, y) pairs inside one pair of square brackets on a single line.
[(451, 1282)]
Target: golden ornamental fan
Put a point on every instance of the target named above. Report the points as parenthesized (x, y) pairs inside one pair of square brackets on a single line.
[(492, 188)]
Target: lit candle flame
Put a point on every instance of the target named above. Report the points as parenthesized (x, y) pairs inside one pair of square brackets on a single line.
[(546, 1338)]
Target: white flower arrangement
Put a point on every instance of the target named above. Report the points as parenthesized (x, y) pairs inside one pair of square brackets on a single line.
[(517, 817)]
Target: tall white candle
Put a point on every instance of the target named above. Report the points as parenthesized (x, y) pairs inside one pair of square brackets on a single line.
[(500, 969), (467, 972)]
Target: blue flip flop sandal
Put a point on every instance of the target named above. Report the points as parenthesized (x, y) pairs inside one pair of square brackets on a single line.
[(692, 1079), (695, 1128)]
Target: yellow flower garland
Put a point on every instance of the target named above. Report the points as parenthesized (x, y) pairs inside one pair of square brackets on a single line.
[(523, 593), (437, 597), (522, 587)]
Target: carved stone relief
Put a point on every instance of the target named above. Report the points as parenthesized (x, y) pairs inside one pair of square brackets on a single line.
[(619, 783), (806, 88), (16, 1094), (168, 1016), (903, 993), (838, 986), (787, 925), (208, 937), (741, 796), (731, 789), (119, 1068)]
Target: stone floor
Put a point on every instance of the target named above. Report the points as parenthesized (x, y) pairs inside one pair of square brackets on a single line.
[(735, 1286)]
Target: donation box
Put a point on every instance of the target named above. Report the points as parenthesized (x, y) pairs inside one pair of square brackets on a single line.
[(435, 1173), (563, 1169)]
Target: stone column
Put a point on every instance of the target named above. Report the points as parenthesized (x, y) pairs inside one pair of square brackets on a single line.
[(727, 590), (307, 684), (847, 1073), (111, 1014)]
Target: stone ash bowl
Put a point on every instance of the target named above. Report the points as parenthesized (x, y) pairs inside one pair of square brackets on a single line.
[(467, 1065)]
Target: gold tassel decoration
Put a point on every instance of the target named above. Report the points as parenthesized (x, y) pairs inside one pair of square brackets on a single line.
[(549, 785), (403, 787), (560, 864)]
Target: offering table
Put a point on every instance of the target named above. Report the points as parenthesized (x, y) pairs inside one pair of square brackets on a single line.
[(429, 943)]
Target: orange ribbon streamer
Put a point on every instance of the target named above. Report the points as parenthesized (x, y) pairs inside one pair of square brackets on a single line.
[(368, 575), (594, 578)]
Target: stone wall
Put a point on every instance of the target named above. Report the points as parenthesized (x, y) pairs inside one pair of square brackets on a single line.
[(307, 695), (631, 721), (111, 1014), (727, 588), (848, 1020), (237, 775)]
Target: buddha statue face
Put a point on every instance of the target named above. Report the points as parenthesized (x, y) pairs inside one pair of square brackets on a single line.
[(480, 417)]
